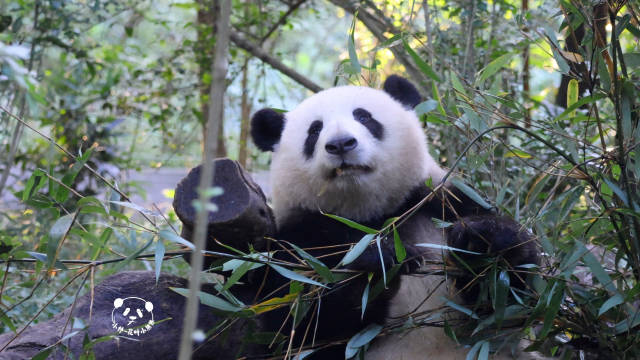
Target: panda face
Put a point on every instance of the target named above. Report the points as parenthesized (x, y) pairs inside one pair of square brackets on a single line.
[(351, 151)]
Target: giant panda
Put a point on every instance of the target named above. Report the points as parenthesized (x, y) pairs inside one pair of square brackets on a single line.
[(361, 153)]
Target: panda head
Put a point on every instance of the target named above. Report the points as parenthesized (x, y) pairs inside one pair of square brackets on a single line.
[(352, 151)]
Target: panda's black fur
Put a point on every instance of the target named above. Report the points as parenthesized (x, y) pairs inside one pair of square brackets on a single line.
[(339, 317)]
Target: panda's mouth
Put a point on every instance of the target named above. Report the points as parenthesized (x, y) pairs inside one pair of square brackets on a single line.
[(349, 169)]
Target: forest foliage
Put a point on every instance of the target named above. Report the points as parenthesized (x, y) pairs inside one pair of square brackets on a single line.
[(532, 102)]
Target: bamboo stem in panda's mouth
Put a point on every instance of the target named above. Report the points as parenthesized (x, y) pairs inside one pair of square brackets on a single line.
[(345, 168)]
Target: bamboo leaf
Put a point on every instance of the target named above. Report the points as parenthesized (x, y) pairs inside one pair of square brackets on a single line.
[(422, 65), (361, 339), (501, 295), (365, 299), (171, 236), (159, 255), (494, 66), (352, 224), (384, 272), (472, 194), (357, 249), (210, 300), (295, 276), (460, 308), (615, 300), (572, 95), (401, 252), (448, 248), (316, 264)]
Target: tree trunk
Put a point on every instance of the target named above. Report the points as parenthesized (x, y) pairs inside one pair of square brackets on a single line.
[(207, 15)]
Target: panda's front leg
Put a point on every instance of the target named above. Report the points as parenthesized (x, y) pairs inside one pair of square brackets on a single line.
[(492, 235)]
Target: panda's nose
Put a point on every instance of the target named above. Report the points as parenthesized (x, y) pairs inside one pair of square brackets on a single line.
[(341, 146)]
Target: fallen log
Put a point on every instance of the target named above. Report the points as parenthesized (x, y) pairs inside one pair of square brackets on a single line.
[(242, 216), (126, 338)]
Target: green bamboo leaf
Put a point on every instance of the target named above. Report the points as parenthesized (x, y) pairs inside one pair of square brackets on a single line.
[(352, 224), (494, 66), (554, 299), (616, 189), (35, 182), (295, 276), (401, 252), (457, 84), (44, 354), (316, 264), (63, 192), (447, 248), (572, 95), (59, 229), (159, 255), (357, 249), (365, 299), (171, 236), (472, 194), (353, 56), (362, 338), (562, 63), (7, 321), (422, 65), (237, 274), (483, 354), (425, 107), (135, 254), (210, 300), (615, 300), (472, 354), (136, 207), (460, 308), (441, 224), (384, 272), (501, 295), (632, 60)]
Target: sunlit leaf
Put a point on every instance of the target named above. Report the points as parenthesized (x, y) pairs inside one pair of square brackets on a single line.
[(422, 65), (494, 66)]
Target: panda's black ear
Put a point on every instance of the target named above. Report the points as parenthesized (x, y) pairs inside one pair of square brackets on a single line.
[(402, 90), (266, 128)]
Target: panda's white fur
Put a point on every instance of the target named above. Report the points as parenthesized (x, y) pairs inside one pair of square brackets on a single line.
[(400, 161)]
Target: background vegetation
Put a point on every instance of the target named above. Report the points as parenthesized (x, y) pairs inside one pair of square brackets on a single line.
[(533, 102)]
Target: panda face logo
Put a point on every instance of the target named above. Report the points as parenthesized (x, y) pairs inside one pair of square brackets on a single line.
[(132, 316)]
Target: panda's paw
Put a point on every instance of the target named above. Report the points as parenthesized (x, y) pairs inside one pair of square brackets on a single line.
[(493, 235)]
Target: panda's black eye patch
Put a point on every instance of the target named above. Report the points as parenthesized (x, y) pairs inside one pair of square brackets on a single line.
[(312, 138), (364, 117)]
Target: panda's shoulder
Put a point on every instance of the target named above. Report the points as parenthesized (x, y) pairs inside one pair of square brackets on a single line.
[(446, 201)]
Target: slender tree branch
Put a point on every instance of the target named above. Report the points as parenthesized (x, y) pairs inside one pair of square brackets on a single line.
[(255, 50), (216, 114)]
